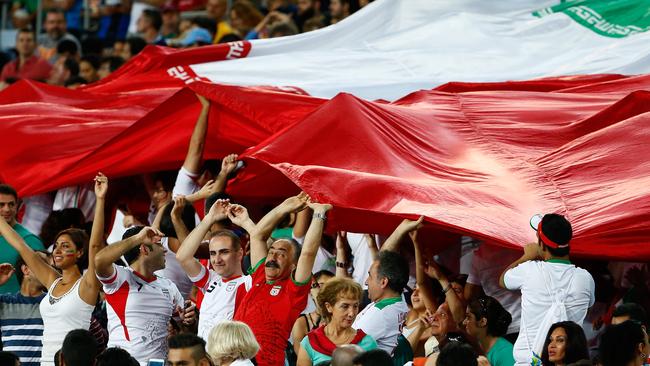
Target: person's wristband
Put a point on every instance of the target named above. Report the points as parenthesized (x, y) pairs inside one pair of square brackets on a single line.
[(341, 265), (320, 215)]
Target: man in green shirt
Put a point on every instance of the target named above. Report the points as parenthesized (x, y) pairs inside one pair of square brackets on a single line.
[(8, 207)]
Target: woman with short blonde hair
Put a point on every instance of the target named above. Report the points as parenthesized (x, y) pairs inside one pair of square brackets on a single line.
[(232, 343), (338, 300)]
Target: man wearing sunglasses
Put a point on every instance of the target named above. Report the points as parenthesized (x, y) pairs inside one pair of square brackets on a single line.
[(552, 288)]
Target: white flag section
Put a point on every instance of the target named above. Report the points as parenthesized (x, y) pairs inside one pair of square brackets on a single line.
[(393, 47)]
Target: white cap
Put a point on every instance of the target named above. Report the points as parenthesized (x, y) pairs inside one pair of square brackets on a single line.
[(535, 220)]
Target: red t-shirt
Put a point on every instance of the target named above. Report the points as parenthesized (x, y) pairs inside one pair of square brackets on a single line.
[(271, 309), (34, 68)]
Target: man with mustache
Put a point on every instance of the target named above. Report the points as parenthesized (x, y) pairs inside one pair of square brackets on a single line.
[(281, 285)]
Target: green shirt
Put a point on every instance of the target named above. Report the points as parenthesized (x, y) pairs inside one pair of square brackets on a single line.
[(501, 353), (9, 255)]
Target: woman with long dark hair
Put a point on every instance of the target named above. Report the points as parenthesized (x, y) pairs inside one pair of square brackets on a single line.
[(71, 296), (565, 344)]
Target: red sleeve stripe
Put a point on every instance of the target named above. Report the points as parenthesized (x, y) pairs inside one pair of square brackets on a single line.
[(110, 279)]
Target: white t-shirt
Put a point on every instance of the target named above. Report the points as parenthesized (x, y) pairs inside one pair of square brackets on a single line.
[(185, 183), (362, 257), (220, 298), (383, 321), (174, 272), (542, 284), (138, 312), (488, 263), (82, 197)]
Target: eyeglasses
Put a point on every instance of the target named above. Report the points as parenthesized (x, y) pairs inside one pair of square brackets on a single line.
[(315, 285)]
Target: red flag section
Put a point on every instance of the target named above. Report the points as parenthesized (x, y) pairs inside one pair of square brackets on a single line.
[(476, 162)]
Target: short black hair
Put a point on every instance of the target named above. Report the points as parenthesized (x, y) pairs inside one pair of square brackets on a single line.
[(8, 358), (114, 62), (93, 60), (457, 353), (498, 318), (132, 254), (54, 11), (67, 46), (375, 357), (75, 79), (214, 197), (618, 344), (575, 348), (136, 44), (79, 348), (632, 310), (154, 16), (8, 190), (115, 356), (188, 340), (283, 29), (213, 166), (166, 225), (395, 268), (557, 228)]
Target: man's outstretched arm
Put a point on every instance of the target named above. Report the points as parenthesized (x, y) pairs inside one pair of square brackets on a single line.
[(194, 154), (312, 241)]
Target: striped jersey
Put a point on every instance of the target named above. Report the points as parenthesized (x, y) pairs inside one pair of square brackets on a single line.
[(21, 327)]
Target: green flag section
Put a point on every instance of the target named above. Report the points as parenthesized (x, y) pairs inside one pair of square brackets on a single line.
[(614, 18)]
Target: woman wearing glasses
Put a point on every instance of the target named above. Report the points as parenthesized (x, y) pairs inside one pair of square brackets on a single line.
[(488, 321)]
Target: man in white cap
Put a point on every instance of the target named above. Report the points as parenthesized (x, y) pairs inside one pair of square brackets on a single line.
[(552, 289)]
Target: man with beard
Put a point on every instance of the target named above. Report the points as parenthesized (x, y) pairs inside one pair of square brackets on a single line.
[(137, 295), (56, 30), (21, 325), (281, 285)]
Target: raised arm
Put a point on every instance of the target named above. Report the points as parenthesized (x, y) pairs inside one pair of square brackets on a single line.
[(406, 226), (91, 287), (228, 165), (312, 241), (531, 252), (303, 218), (43, 271), (177, 221), (456, 306), (342, 254), (185, 253), (238, 215), (420, 276), (194, 154), (202, 193), (265, 227), (106, 257)]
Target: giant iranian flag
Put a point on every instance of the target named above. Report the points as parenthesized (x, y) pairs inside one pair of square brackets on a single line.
[(475, 114)]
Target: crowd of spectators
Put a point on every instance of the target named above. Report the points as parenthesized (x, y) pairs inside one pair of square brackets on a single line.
[(168, 266), (69, 54)]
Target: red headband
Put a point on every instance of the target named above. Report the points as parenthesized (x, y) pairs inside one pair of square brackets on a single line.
[(546, 240)]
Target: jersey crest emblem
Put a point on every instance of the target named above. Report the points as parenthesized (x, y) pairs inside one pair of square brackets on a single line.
[(275, 290), (231, 286)]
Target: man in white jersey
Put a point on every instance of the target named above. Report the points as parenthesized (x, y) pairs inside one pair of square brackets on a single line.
[(224, 286), (388, 275), (552, 289), (140, 304)]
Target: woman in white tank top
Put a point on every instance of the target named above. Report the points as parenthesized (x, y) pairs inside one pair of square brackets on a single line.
[(71, 296)]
